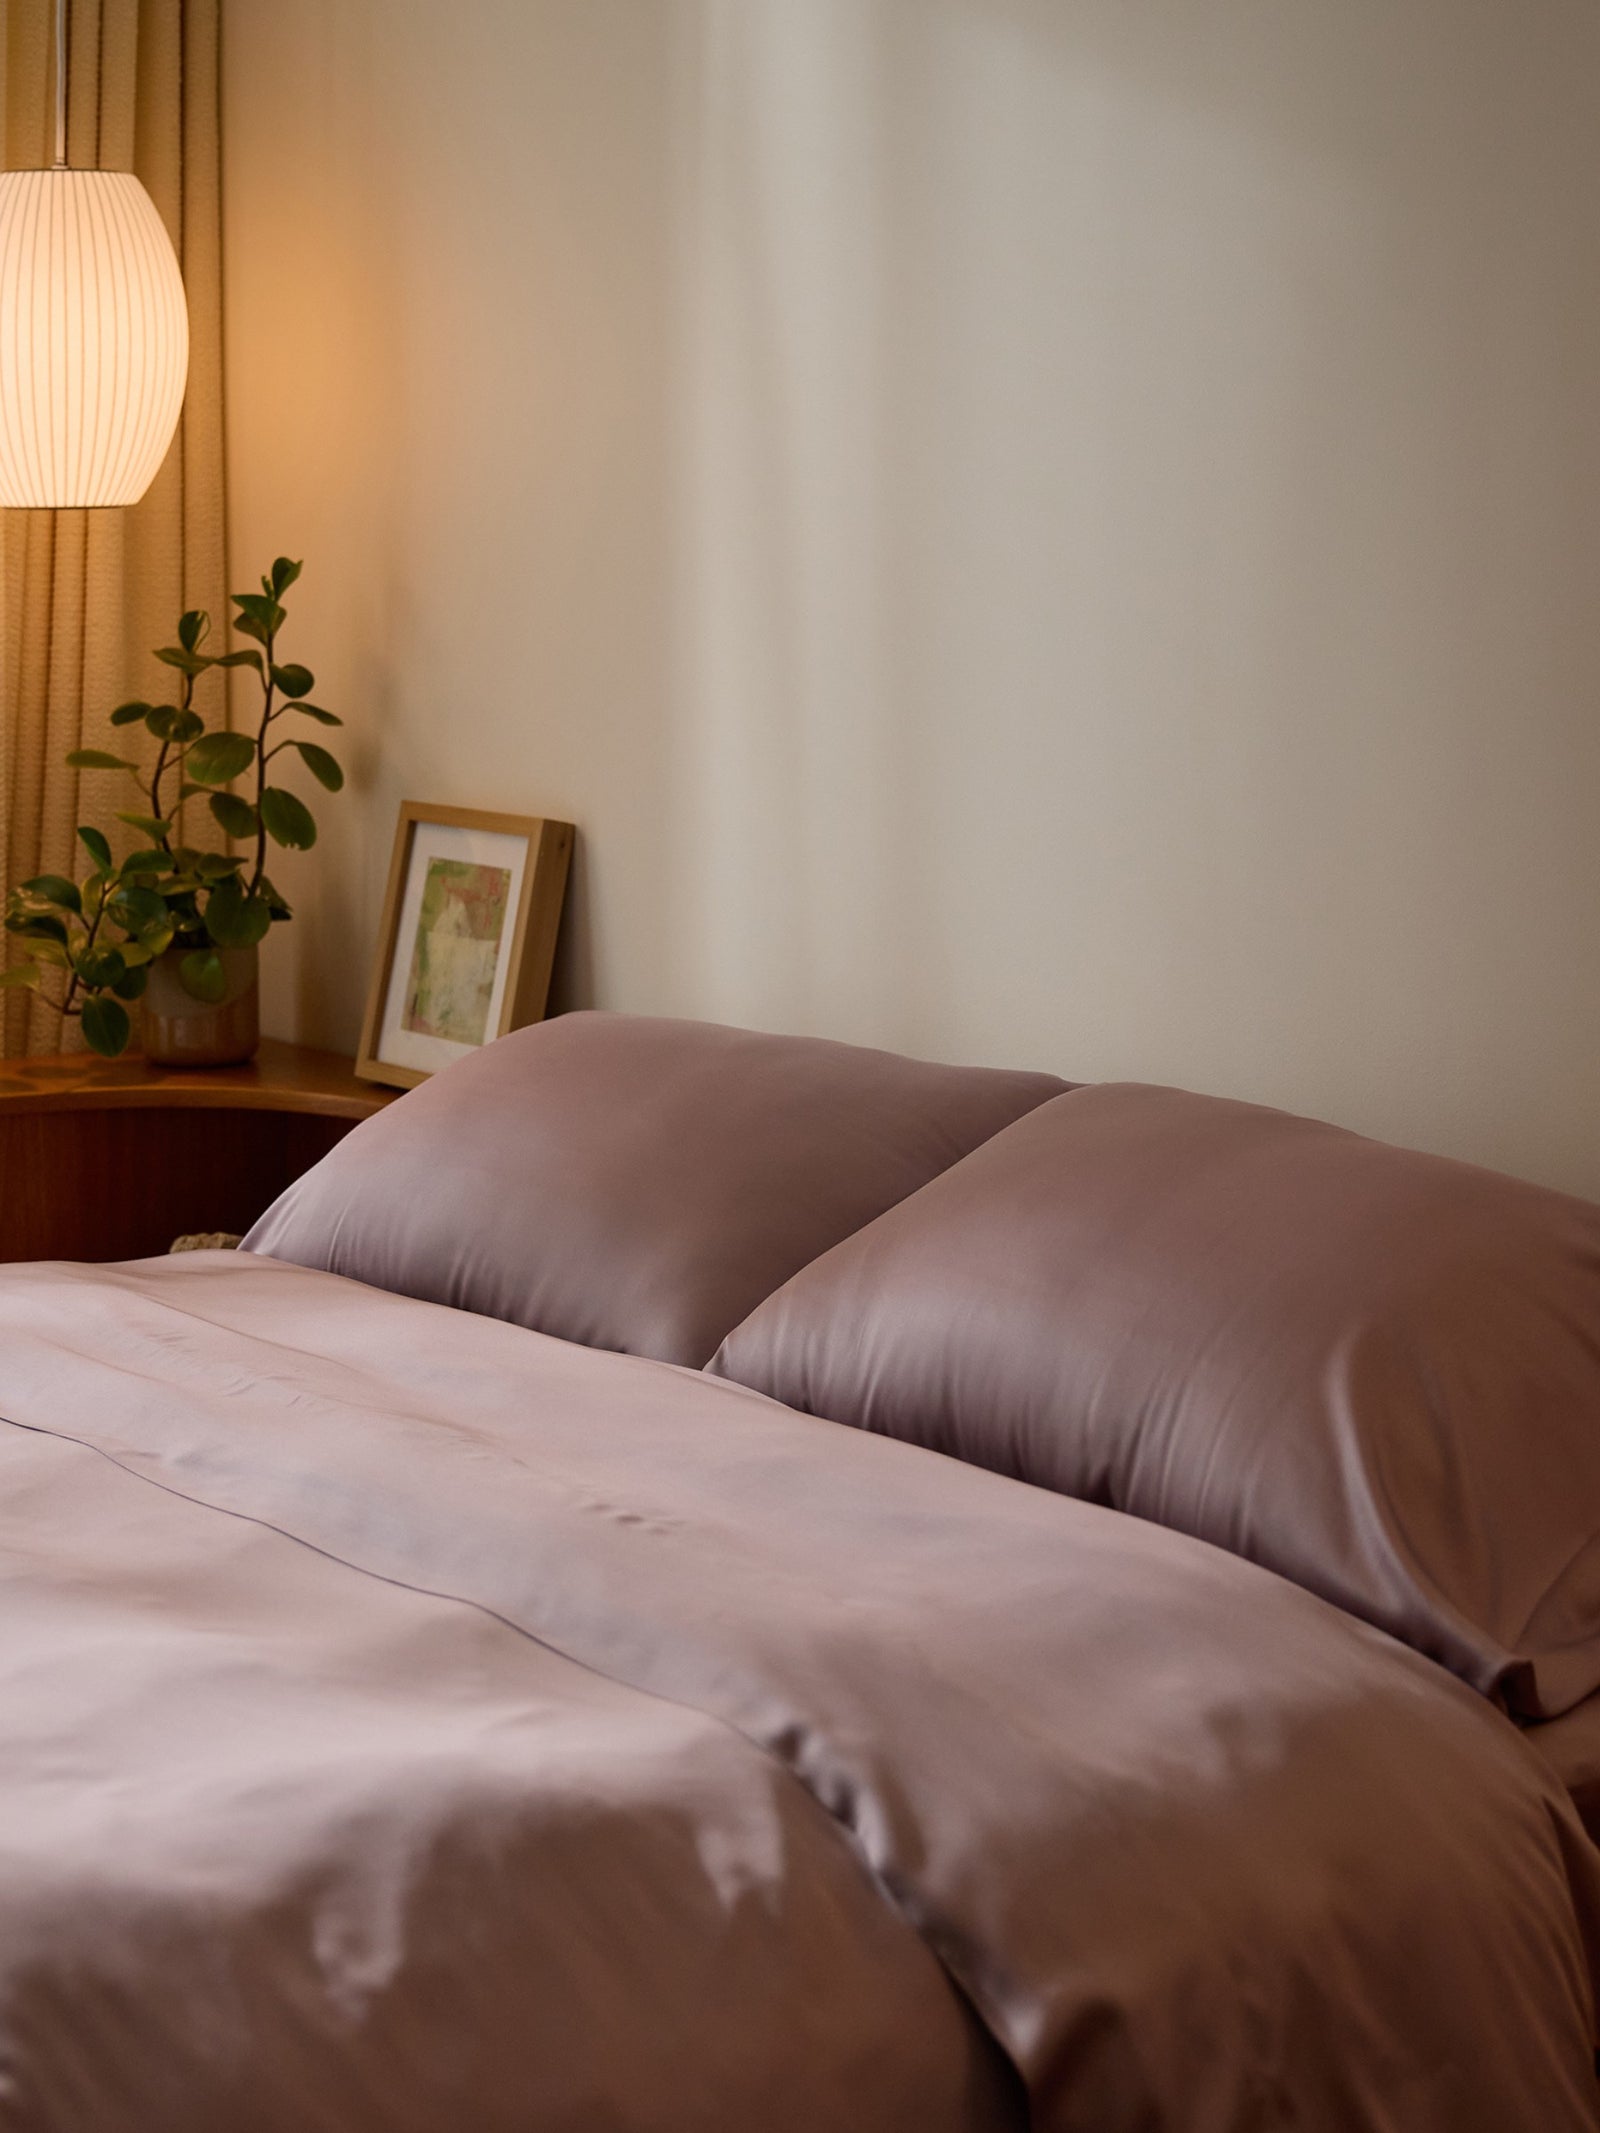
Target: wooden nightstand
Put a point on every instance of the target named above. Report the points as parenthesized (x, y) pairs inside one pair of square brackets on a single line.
[(113, 1159)]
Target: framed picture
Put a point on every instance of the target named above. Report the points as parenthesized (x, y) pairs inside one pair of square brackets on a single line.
[(469, 934)]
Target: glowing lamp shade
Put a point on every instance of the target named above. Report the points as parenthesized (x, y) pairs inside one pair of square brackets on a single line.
[(94, 339)]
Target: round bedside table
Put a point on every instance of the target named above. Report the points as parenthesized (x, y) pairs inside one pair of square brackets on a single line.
[(114, 1158)]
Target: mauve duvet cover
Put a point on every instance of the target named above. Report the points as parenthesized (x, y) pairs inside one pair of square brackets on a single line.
[(408, 1721)]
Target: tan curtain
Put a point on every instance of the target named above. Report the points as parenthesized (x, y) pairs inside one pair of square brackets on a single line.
[(85, 595)]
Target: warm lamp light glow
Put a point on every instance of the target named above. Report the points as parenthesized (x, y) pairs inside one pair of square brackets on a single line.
[(94, 338)]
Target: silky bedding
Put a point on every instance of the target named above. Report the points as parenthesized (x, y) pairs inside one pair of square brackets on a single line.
[(1068, 1660), (1375, 1371), (631, 1181), (412, 1720), (1570, 1744)]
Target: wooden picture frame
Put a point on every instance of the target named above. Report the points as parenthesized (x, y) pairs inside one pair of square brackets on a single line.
[(478, 897)]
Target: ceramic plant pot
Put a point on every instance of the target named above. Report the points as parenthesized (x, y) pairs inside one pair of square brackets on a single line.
[(181, 1031)]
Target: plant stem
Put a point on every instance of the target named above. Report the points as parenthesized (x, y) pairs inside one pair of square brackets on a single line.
[(267, 715), (67, 1007), (155, 793), (161, 767)]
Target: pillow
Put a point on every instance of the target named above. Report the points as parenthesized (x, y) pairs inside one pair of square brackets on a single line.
[(1374, 1371), (633, 1184)]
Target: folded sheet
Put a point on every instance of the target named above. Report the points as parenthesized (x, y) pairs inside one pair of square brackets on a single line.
[(409, 1720)]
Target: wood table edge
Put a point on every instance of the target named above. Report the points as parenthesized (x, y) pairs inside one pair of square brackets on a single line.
[(286, 1078)]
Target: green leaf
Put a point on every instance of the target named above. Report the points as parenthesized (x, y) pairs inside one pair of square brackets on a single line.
[(275, 902), (193, 629), (241, 659), (137, 908), (28, 974), (138, 863), (217, 757), (322, 766), (101, 967), (288, 819), (55, 889), (37, 926), (130, 714), (283, 576), (186, 726), (323, 718), (173, 655), (97, 759), (247, 626), (96, 847), (213, 866), (131, 985), (234, 920), (153, 941), (294, 681), (106, 1028), (203, 977), (149, 825), (262, 610), (237, 817)]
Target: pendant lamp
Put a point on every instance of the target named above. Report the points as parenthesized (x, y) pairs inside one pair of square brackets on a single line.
[(94, 331)]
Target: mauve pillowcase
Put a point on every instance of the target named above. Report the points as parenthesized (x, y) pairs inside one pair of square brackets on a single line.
[(630, 1183), (1374, 1371)]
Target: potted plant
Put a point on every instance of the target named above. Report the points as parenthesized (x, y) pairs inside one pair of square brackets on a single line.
[(173, 925)]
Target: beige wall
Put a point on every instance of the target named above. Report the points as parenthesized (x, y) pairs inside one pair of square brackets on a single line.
[(1050, 531)]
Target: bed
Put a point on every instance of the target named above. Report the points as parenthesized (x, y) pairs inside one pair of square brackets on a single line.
[(431, 1698)]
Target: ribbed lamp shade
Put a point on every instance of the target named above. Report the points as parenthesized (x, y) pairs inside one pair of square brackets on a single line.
[(94, 338)]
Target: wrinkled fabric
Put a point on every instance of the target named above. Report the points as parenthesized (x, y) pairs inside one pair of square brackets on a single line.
[(631, 1182), (1570, 1744), (287, 1846), (1373, 1371), (411, 1720)]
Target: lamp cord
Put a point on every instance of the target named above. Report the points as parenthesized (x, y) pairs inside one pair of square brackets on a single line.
[(61, 85)]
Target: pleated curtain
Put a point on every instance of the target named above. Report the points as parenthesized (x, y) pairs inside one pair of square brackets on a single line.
[(85, 595)]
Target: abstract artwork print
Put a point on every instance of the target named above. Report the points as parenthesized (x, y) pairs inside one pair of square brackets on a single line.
[(456, 951)]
